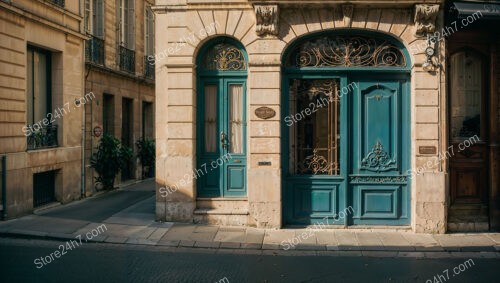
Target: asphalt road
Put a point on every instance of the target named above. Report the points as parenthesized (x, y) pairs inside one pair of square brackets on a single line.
[(125, 263)]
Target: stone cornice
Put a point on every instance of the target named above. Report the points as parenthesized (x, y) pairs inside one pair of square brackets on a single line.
[(163, 6), (106, 70), (337, 2), (36, 18)]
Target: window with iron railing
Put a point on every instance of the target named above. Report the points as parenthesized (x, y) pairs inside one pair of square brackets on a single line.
[(149, 67), (127, 59), (43, 137), (94, 50), (126, 34), (94, 17), (39, 131)]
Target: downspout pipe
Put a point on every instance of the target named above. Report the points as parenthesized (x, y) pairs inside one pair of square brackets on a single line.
[(82, 175), (4, 187)]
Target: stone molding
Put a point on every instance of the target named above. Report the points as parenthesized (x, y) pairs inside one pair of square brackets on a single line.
[(266, 19), (425, 19)]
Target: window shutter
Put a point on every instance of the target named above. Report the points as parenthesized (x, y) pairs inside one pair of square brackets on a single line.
[(149, 31), (87, 16), (99, 18), (130, 24), (120, 24), (146, 30)]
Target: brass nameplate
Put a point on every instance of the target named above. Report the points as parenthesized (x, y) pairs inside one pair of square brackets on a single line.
[(265, 112), (264, 163), (427, 149)]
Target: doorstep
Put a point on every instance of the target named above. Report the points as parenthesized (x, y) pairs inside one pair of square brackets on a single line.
[(202, 211)]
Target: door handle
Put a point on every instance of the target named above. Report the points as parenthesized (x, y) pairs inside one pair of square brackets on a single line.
[(223, 139)]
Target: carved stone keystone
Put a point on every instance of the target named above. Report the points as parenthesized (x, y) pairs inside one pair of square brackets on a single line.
[(425, 18), (267, 19)]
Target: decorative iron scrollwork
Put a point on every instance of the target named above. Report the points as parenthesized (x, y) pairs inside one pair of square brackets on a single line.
[(378, 159), (224, 57), (315, 164), (378, 179), (314, 89), (347, 51)]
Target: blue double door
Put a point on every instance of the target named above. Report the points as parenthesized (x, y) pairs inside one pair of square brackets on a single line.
[(346, 150), (221, 130)]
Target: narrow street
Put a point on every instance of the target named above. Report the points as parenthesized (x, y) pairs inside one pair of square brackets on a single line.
[(133, 201), (126, 210)]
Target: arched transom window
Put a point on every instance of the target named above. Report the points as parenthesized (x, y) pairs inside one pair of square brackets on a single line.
[(224, 57), (346, 51)]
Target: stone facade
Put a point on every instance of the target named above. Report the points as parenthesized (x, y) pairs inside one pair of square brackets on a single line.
[(56, 29), (176, 93), (108, 78)]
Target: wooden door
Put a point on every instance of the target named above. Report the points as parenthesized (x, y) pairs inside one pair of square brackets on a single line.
[(378, 185), (468, 150)]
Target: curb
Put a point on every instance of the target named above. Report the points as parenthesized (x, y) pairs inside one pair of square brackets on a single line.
[(270, 249)]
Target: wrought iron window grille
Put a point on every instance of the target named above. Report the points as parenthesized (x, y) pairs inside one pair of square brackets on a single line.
[(94, 50), (127, 59), (45, 137)]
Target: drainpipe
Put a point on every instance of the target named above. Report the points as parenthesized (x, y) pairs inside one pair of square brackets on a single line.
[(4, 187), (83, 145), (82, 175)]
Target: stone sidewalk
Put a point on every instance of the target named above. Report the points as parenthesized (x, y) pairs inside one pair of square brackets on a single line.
[(126, 216), (360, 241), (339, 242)]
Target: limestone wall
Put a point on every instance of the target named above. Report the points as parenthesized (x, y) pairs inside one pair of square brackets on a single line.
[(101, 82), (50, 27), (175, 92)]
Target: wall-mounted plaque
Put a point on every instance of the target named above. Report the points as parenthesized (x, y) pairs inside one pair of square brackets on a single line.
[(97, 131), (264, 163), (265, 112), (427, 149)]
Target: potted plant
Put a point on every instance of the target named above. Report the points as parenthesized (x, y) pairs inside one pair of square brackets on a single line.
[(109, 159), (146, 154)]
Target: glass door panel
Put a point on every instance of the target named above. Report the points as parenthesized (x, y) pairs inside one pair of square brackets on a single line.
[(236, 118), (210, 118), (314, 127), (466, 91)]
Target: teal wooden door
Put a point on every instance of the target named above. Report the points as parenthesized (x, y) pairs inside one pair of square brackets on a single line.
[(346, 162), (221, 147), (380, 151), (347, 153), (314, 166)]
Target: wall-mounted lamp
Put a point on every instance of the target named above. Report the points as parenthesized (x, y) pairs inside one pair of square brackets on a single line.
[(429, 65)]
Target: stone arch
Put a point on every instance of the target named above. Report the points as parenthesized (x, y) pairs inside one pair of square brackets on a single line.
[(392, 42)]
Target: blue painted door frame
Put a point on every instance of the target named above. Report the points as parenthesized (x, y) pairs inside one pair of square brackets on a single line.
[(221, 173), (362, 193)]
